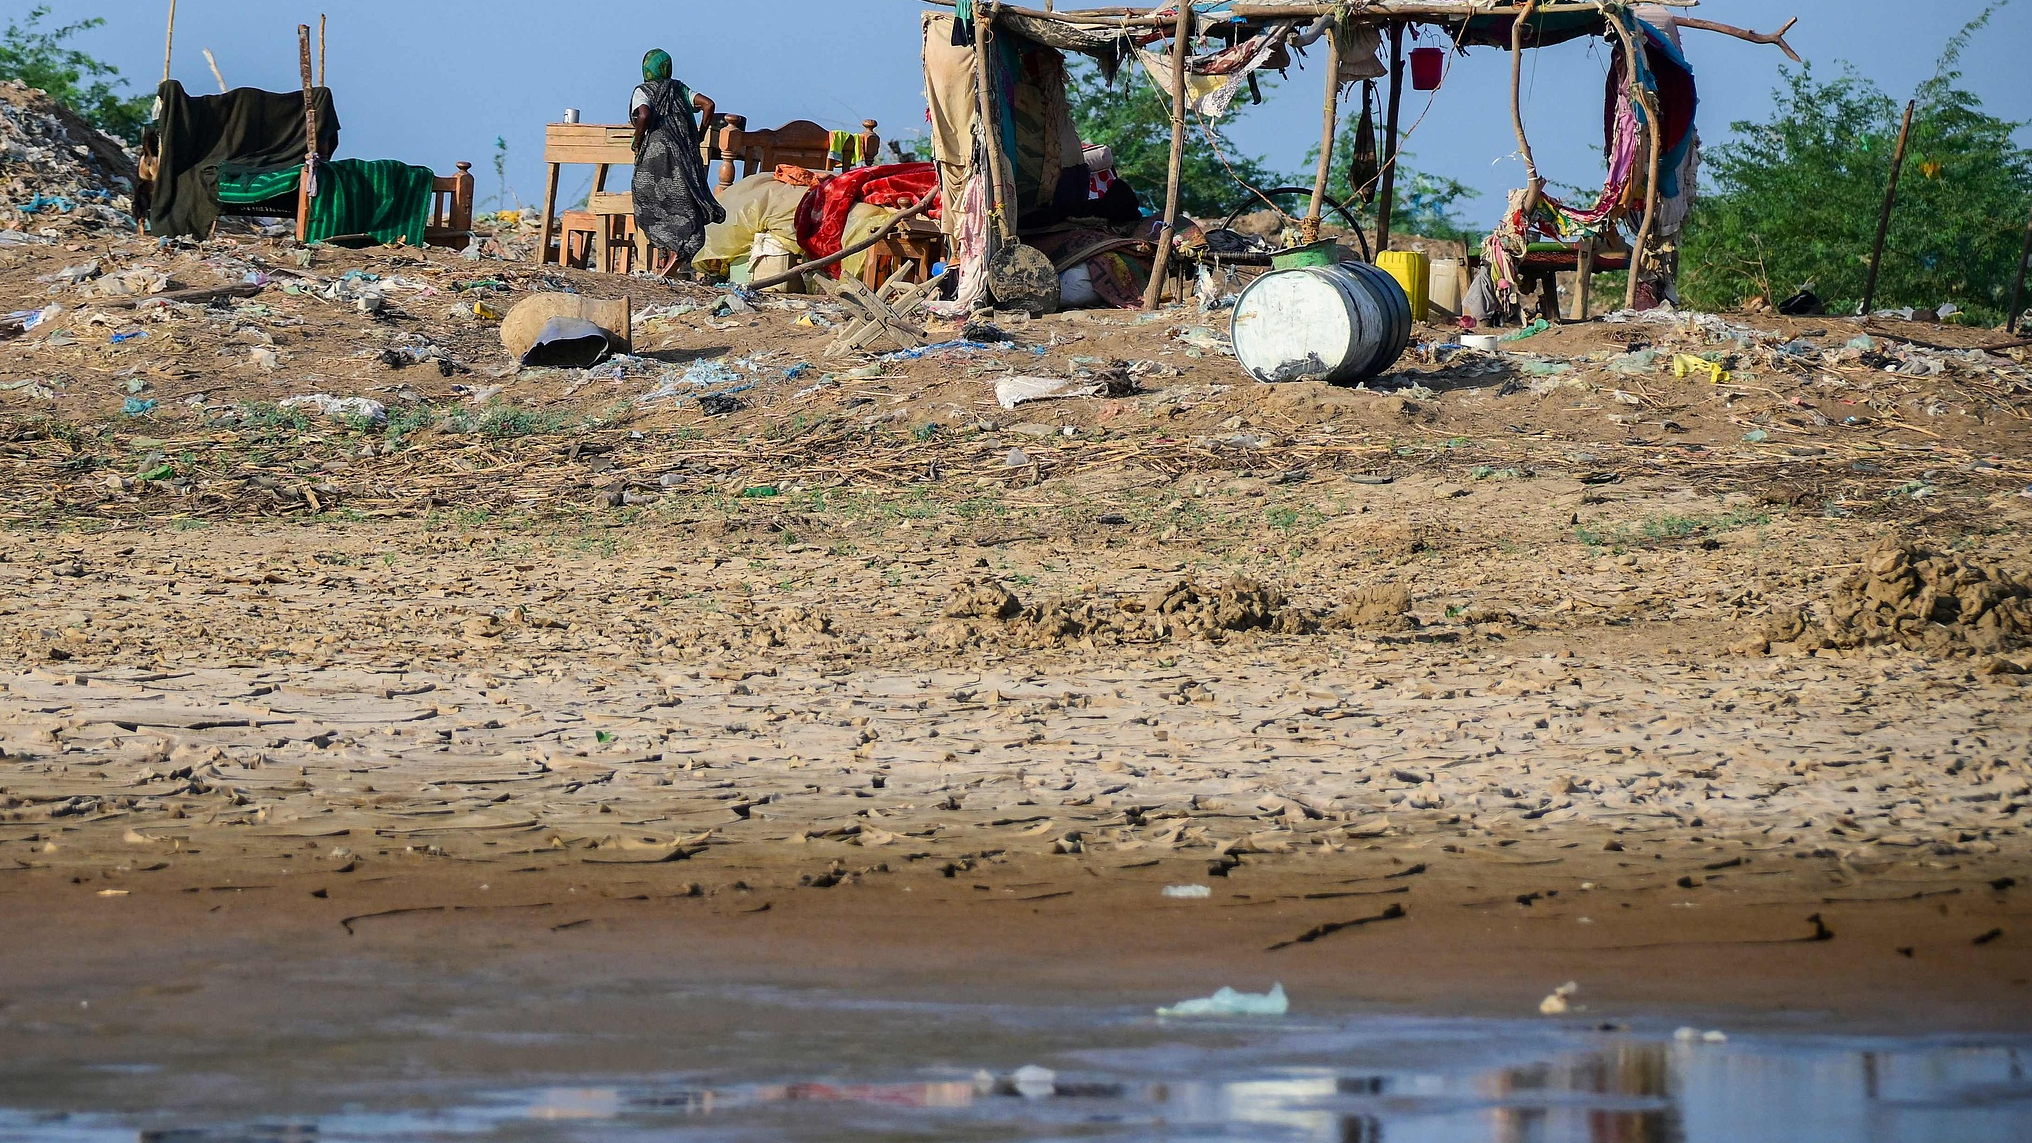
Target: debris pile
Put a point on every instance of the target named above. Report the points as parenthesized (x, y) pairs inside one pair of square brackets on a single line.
[(1177, 612), (1905, 596), (55, 168)]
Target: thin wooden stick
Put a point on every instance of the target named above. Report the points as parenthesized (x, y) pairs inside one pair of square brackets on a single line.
[(1890, 200), (1330, 122), (2018, 282), (1181, 56), (1386, 204), (213, 62), (169, 42), (321, 49)]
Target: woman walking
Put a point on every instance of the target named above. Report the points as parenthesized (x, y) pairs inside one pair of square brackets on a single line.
[(673, 204)]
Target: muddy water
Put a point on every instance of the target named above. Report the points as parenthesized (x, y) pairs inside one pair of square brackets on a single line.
[(766, 1064)]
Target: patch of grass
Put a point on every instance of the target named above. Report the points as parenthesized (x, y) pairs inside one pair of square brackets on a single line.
[(508, 422), (189, 524), (269, 419), (1668, 527)]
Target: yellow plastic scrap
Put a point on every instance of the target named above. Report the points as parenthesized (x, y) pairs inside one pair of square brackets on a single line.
[(485, 312), (1687, 365)]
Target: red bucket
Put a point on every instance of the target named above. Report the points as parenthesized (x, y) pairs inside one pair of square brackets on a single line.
[(1428, 67)]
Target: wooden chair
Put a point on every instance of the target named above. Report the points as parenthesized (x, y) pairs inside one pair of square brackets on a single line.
[(1543, 262), (451, 211)]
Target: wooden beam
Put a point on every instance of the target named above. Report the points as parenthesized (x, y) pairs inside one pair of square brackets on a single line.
[(2018, 281), (1181, 56), (1534, 185)]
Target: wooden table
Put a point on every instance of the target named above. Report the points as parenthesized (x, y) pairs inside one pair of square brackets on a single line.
[(602, 147)]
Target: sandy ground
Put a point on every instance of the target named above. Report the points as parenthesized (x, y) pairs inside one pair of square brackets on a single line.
[(1446, 694)]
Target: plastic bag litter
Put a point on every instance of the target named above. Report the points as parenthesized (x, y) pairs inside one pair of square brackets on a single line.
[(1228, 1002), (1560, 1001), (1014, 391), (1188, 892), (327, 405)]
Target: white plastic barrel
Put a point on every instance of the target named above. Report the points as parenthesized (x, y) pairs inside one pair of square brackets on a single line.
[(1343, 324)]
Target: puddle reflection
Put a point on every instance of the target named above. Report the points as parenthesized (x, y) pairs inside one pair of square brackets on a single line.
[(1254, 1084)]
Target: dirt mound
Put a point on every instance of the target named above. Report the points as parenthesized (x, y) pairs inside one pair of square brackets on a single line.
[(56, 166), (1905, 596), (1179, 612)]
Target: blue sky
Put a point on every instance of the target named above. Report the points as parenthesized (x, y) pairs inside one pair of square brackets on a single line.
[(436, 81)]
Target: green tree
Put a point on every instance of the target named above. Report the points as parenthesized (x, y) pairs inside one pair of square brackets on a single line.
[(1133, 119), (39, 57), (1794, 201)]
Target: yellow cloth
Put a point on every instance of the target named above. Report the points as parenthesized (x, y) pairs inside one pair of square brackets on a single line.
[(862, 223), (756, 205)]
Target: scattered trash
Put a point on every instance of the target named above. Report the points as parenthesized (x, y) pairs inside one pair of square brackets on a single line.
[(1687, 365), (1228, 1002), (138, 406), (1017, 458), (1033, 1082), (1561, 1000), (1756, 436), (1188, 892), (566, 331), (719, 405), (1690, 1035), (122, 338), (1533, 330), (1014, 391), (1204, 337), (324, 404)]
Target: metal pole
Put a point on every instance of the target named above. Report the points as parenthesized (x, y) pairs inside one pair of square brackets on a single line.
[(1890, 200), (1386, 203), (1181, 53)]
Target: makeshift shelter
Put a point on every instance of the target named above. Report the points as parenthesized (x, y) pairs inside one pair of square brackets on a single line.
[(1003, 140), (269, 154)]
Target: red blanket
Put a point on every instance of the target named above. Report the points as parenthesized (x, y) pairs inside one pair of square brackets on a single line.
[(822, 216)]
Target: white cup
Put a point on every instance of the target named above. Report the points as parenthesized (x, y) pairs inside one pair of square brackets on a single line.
[(571, 115)]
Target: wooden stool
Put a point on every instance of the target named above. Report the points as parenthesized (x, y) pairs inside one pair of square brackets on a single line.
[(614, 231), (576, 231), (917, 244)]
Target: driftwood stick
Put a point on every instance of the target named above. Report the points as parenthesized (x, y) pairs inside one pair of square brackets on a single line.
[(887, 229), (321, 50), (1890, 200), (1181, 56), (1777, 37), (213, 62)]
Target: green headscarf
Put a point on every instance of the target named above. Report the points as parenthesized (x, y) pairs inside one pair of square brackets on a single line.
[(656, 65)]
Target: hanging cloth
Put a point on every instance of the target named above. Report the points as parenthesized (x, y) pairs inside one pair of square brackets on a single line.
[(1365, 167)]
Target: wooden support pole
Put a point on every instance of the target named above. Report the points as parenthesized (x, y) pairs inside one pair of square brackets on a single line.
[(1890, 200), (1534, 185), (1386, 204), (2018, 281), (1653, 116), (307, 189), (1001, 177), (1330, 116), (169, 42), (321, 50), (1181, 55)]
